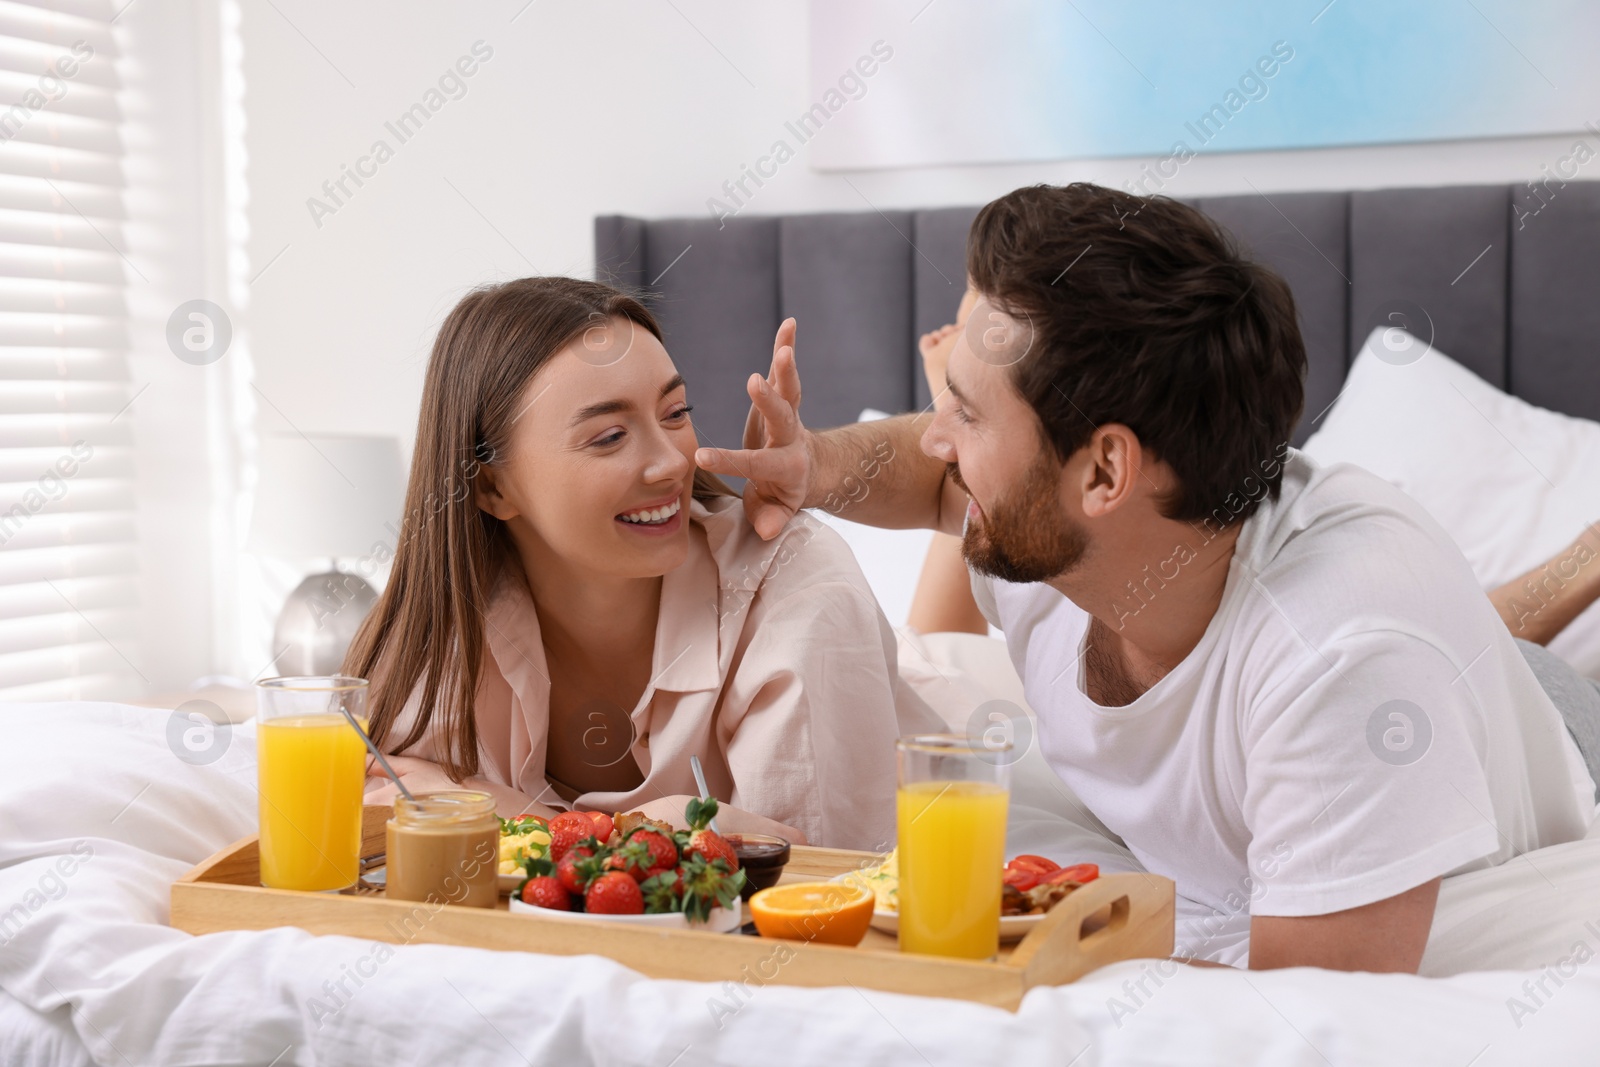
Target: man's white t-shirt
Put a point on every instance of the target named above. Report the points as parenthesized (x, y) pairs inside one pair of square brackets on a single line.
[(1355, 721)]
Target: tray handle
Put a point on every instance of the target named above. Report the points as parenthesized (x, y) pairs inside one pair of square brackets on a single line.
[(1116, 919), (1139, 923)]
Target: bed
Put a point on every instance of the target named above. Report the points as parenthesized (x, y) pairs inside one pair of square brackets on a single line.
[(90, 973)]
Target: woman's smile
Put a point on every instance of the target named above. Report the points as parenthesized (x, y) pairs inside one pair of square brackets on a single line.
[(655, 520)]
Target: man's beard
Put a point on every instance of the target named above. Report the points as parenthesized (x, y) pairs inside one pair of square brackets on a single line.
[(1024, 538)]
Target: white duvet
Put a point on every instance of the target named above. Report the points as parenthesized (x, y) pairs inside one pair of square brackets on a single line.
[(97, 817)]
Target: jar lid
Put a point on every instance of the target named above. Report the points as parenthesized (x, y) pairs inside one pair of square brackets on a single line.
[(444, 805)]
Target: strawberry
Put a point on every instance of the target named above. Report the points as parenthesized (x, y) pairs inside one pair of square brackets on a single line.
[(707, 884), (602, 824), (662, 851), (614, 893), (576, 819), (546, 891), (572, 876), (566, 830), (661, 892), (632, 857), (543, 889), (704, 841)]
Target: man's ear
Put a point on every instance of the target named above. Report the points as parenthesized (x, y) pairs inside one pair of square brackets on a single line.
[(486, 494), (1113, 465)]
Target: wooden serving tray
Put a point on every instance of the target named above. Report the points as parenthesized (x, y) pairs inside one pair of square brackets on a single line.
[(1115, 917)]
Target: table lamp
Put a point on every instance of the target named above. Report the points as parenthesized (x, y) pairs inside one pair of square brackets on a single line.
[(324, 495)]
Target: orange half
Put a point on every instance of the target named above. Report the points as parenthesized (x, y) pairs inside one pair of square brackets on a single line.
[(835, 913)]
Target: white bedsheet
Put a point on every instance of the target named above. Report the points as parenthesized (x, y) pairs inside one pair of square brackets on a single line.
[(101, 777), (39, 1039)]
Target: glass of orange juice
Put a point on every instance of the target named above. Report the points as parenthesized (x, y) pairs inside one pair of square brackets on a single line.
[(951, 808), (312, 767)]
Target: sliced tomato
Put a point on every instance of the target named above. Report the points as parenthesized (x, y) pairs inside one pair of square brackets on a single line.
[(602, 824), (1021, 879), (1037, 863), (1082, 873)]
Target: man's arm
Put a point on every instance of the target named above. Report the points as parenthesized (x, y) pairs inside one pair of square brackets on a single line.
[(876, 473), (872, 472), (1386, 935)]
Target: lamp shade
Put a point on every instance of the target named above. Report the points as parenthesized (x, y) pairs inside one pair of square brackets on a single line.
[(325, 495)]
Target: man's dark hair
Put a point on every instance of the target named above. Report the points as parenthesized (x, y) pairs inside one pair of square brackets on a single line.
[(1143, 312)]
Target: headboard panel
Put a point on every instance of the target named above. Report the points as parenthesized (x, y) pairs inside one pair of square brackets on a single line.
[(1302, 237), (1555, 303), (849, 286), (1508, 277), (715, 293), (1444, 249), (939, 276)]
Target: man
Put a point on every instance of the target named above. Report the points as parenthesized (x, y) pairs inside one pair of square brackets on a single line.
[(1256, 672)]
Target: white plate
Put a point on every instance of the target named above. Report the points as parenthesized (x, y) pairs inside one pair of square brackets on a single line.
[(510, 882), (721, 920), (1012, 927)]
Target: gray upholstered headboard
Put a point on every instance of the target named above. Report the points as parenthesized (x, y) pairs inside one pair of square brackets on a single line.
[(1509, 276)]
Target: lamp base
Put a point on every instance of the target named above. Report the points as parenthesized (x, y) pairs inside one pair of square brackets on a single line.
[(318, 622)]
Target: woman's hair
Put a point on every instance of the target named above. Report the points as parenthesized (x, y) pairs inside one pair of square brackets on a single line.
[(428, 625)]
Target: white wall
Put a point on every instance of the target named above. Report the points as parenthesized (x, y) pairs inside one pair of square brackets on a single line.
[(583, 109), (643, 107), (179, 413)]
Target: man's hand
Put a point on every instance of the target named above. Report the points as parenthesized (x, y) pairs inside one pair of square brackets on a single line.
[(776, 459), (874, 473), (1386, 935), (786, 385)]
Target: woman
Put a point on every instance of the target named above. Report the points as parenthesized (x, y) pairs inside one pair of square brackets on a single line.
[(569, 623)]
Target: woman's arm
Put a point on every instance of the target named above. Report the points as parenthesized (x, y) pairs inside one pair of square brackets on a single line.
[(420, 776), (1538, 605), (808, 717), (810, 714), (730, 820)]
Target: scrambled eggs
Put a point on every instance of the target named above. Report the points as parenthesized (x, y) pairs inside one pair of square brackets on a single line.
[(882, 881), (514, 848)]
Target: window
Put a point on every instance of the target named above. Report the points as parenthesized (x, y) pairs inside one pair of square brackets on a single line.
[(69, 551)]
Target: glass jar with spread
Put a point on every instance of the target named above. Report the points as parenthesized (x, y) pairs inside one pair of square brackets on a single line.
[(444, 848)]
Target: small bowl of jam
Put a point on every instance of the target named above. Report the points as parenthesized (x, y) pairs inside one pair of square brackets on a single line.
[(762, 858)]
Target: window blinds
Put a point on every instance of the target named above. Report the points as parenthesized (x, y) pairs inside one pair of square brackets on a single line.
[(68, 538)]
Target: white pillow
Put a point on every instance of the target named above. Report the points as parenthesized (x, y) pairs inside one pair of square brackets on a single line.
[(1513, 484)]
